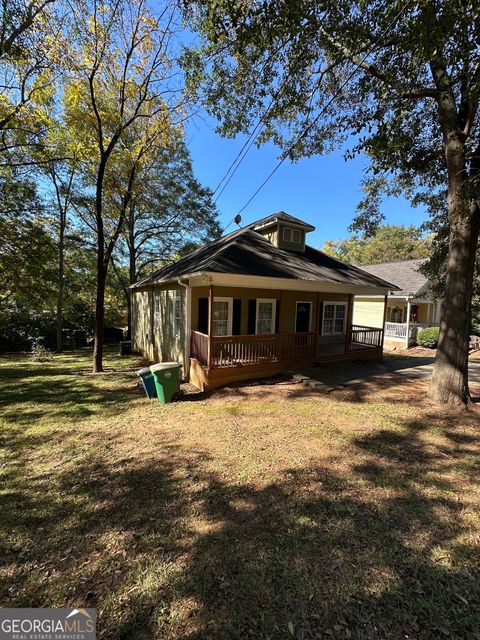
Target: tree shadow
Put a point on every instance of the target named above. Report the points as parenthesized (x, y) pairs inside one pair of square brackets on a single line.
[(168, 547), (30, 391)]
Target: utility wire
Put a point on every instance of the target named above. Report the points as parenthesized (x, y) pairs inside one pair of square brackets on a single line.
[(319, 115)]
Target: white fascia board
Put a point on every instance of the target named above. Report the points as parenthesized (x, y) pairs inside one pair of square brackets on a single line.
[(285, 284)]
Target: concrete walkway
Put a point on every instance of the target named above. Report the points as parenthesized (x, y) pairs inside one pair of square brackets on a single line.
[(347, 374)]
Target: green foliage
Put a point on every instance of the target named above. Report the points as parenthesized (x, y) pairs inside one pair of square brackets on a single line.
[(388, 244), (428, 337), (171, 212), (40, 353), (27, 250)]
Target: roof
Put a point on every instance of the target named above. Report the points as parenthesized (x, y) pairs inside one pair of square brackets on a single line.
[(247, 252), (280, 216), (405, 274)]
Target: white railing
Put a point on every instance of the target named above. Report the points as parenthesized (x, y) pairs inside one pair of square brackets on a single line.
[(399, 329)]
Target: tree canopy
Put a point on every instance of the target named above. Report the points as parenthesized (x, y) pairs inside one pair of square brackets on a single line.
[(388, 244), (399, 81)]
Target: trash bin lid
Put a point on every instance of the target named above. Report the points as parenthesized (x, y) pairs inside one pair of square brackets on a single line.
[(164, 365), (144, 371)]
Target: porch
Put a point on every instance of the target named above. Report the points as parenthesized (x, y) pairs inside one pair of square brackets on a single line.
[(398, 331), (220, 359)]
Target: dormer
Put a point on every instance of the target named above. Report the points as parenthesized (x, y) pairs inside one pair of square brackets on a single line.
[(284, 231)]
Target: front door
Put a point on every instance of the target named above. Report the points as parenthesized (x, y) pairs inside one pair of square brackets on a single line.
[(303, 316)]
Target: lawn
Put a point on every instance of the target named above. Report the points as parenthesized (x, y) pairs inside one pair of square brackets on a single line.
[(259, 512)]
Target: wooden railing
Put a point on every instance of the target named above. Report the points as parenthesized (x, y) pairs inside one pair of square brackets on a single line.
[(364, 337), (227, 351), (199, 347), (233, 351)]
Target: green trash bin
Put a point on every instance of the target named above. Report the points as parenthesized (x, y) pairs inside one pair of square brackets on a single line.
[(167, 383)]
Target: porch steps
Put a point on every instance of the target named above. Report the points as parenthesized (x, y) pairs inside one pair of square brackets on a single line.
[(311, 383)]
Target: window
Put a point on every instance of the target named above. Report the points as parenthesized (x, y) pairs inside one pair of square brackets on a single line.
[(334, 314), (177, 314), (222, 317), (292, 235), (157, 309), (396, 314), (265, 316)]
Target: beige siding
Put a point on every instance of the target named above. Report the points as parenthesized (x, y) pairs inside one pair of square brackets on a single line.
[(142, 323), (275, 236), (153, 323), (368, 312)]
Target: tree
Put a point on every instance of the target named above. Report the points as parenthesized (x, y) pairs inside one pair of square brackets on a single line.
[(32, 43), (121, 71), (26, 247), (168, 210), (401, 81), (388, 244)]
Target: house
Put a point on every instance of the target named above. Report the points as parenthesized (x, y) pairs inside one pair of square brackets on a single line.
[(256, 302), (410, 308)]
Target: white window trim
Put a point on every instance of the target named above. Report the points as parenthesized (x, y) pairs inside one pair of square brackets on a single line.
[(177, 322), (309, 302), (337, 304), (230, 313), (273, 301), (291, 231)]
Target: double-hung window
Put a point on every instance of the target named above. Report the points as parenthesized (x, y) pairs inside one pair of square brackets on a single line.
[(265, 316), (177, 314), (334, 316), (289, 234), (222, 316)]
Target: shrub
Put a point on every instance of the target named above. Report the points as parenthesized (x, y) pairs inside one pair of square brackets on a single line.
[(40, 353), (428, 337)]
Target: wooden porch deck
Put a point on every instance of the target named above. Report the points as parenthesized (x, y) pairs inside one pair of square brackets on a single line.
[(217, 360)]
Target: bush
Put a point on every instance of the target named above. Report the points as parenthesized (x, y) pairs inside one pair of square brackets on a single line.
[(40, 353), (428, 337)]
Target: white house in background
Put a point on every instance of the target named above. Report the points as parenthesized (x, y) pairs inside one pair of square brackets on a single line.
[(409, 310)]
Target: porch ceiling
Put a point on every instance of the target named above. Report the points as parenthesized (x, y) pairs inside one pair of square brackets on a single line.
[(285, 284)]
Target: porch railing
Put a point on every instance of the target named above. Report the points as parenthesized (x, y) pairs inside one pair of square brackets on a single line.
[(199, 346), (230, 351), (364, 337), (399, 329)]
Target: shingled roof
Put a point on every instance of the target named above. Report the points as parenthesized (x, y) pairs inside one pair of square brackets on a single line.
[(405, 274), (247, 252)]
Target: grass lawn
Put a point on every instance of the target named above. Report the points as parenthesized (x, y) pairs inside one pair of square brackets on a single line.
[(262, 511)]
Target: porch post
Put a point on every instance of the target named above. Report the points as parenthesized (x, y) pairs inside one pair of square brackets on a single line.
[(210, 325), (385, 304), (348, 336), (409, 304), (317, 323)]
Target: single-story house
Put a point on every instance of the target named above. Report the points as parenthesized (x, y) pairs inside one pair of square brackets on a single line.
[(410, 308), (256, 302)]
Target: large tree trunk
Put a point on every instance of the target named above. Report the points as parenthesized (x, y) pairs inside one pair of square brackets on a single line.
[(132, 265), (99, 319), (449, 383), (101, 272), (61, 269)]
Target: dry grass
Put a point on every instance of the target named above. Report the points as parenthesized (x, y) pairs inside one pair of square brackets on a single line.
[(262, 511)]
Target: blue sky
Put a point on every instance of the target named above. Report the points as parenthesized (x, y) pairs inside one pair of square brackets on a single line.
[(322, 190)]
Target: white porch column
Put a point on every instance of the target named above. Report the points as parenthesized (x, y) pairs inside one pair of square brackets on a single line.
[(407, 339)]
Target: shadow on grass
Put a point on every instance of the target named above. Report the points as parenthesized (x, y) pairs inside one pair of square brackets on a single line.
[(65, 388), (167, 548)]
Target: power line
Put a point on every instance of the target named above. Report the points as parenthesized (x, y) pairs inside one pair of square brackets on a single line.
[(318, 116), (249, 143)]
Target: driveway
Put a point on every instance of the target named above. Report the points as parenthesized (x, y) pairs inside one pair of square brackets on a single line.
[(346, 374)]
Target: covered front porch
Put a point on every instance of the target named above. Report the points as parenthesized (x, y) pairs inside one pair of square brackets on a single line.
[(240, 334)]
